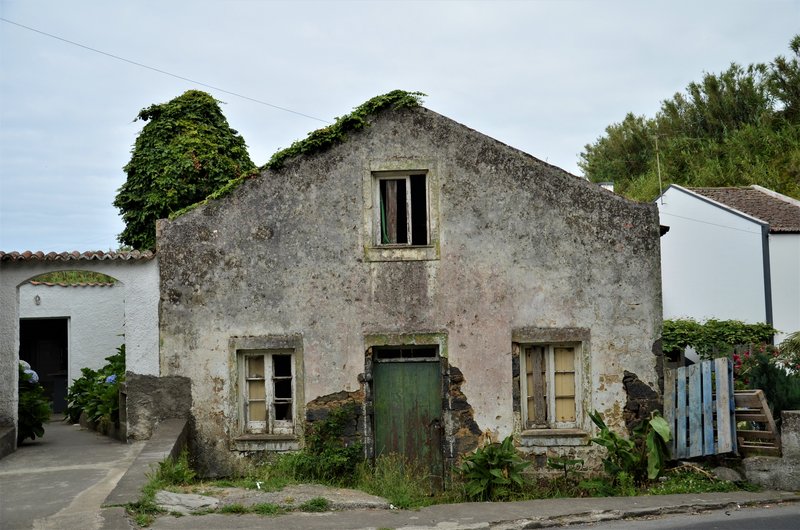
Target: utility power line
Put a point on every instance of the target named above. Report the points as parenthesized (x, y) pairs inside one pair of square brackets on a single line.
[(160, 71)]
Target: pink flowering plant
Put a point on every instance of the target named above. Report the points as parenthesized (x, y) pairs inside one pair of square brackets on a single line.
[(773, 369)]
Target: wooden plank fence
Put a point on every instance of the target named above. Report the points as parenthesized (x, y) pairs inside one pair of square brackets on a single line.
[(699, 406)]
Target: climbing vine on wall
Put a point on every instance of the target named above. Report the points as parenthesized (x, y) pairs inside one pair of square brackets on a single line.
[(322, 139)]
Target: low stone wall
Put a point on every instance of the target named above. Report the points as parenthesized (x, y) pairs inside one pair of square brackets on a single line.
[(112, 430), (167, 441), (149, 400), (8, 440), (779, 473)]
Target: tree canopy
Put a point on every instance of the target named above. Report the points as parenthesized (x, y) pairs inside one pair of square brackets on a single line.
[(185, 151), (736, 128)]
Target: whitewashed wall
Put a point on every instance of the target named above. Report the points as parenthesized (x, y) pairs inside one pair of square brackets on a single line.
[(96, 319), (784, 252), (711, 260), (140, 281)]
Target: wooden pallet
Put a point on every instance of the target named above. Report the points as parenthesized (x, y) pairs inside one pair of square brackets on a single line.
[(751, 407)]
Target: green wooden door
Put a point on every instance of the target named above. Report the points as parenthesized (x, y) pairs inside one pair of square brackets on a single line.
[(408, 412)]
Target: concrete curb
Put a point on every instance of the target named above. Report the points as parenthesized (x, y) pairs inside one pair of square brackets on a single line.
[(596, 516), (168, 439), (499, 515)]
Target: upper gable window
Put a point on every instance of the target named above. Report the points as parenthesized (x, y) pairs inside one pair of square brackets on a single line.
[(402, 208)]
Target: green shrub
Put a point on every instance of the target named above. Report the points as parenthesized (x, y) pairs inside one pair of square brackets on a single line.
[(317, 504), (266, 508), (96, 392), (176, 471), (712, 338), (493, 472), (33, 408), (326, 457), (401, 481), (234, 508), (638, 458), (688, 480)]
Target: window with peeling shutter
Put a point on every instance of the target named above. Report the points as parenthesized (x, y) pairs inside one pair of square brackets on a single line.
[(549, 387)]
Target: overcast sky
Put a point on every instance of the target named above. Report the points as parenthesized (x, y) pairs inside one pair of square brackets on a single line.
[(546, 77)]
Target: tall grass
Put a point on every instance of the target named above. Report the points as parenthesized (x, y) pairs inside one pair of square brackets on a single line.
[(401, 481)]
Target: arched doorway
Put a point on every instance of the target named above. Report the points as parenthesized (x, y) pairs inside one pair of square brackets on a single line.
[(69, 320)]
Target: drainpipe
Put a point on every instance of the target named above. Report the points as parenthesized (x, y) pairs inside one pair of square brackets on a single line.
[(767, 274)]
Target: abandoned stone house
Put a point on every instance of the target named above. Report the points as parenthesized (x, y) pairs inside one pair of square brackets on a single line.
[(448, 285)]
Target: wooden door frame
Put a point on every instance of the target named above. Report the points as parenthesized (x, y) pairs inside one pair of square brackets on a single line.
[(434, 339)]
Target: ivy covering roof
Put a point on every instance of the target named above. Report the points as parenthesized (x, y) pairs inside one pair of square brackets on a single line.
[(322, 139)]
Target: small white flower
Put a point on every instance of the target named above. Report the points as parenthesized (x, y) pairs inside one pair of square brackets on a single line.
[(258, 484), (24, 365), (33, 377)]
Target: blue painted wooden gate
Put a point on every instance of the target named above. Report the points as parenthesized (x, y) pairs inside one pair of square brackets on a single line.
[(699, 406)]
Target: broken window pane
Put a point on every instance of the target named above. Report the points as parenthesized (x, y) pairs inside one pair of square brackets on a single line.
[(282, 365), (283, 411), (419, 210), (409, 352), (403, 210), (283, 389)]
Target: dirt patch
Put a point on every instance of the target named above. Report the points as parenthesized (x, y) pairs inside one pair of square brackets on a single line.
[(291, 497)]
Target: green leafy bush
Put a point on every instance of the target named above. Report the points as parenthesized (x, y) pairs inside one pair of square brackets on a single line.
[(493, 472), (33, 407), (96, 392), (326, 457), (712, 338), (639, 458)]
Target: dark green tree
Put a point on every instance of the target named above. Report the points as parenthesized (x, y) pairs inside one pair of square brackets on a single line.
[(185, 152), (735, 128)]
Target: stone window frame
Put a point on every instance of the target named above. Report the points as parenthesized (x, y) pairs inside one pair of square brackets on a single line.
[(239, 348), (572, 434), (382, 169), (550, 378)]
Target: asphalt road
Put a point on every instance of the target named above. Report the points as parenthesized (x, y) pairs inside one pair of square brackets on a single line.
[(777, 517), (60, 480)]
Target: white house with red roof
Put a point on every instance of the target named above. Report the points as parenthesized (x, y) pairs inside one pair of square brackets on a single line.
[(731, 253)]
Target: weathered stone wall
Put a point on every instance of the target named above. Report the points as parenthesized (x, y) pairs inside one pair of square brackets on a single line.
[(642, 400), (779, 473), (520, 244), (150, 400)]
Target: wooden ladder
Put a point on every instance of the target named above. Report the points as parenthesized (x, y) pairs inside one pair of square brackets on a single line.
[(751, 406)]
